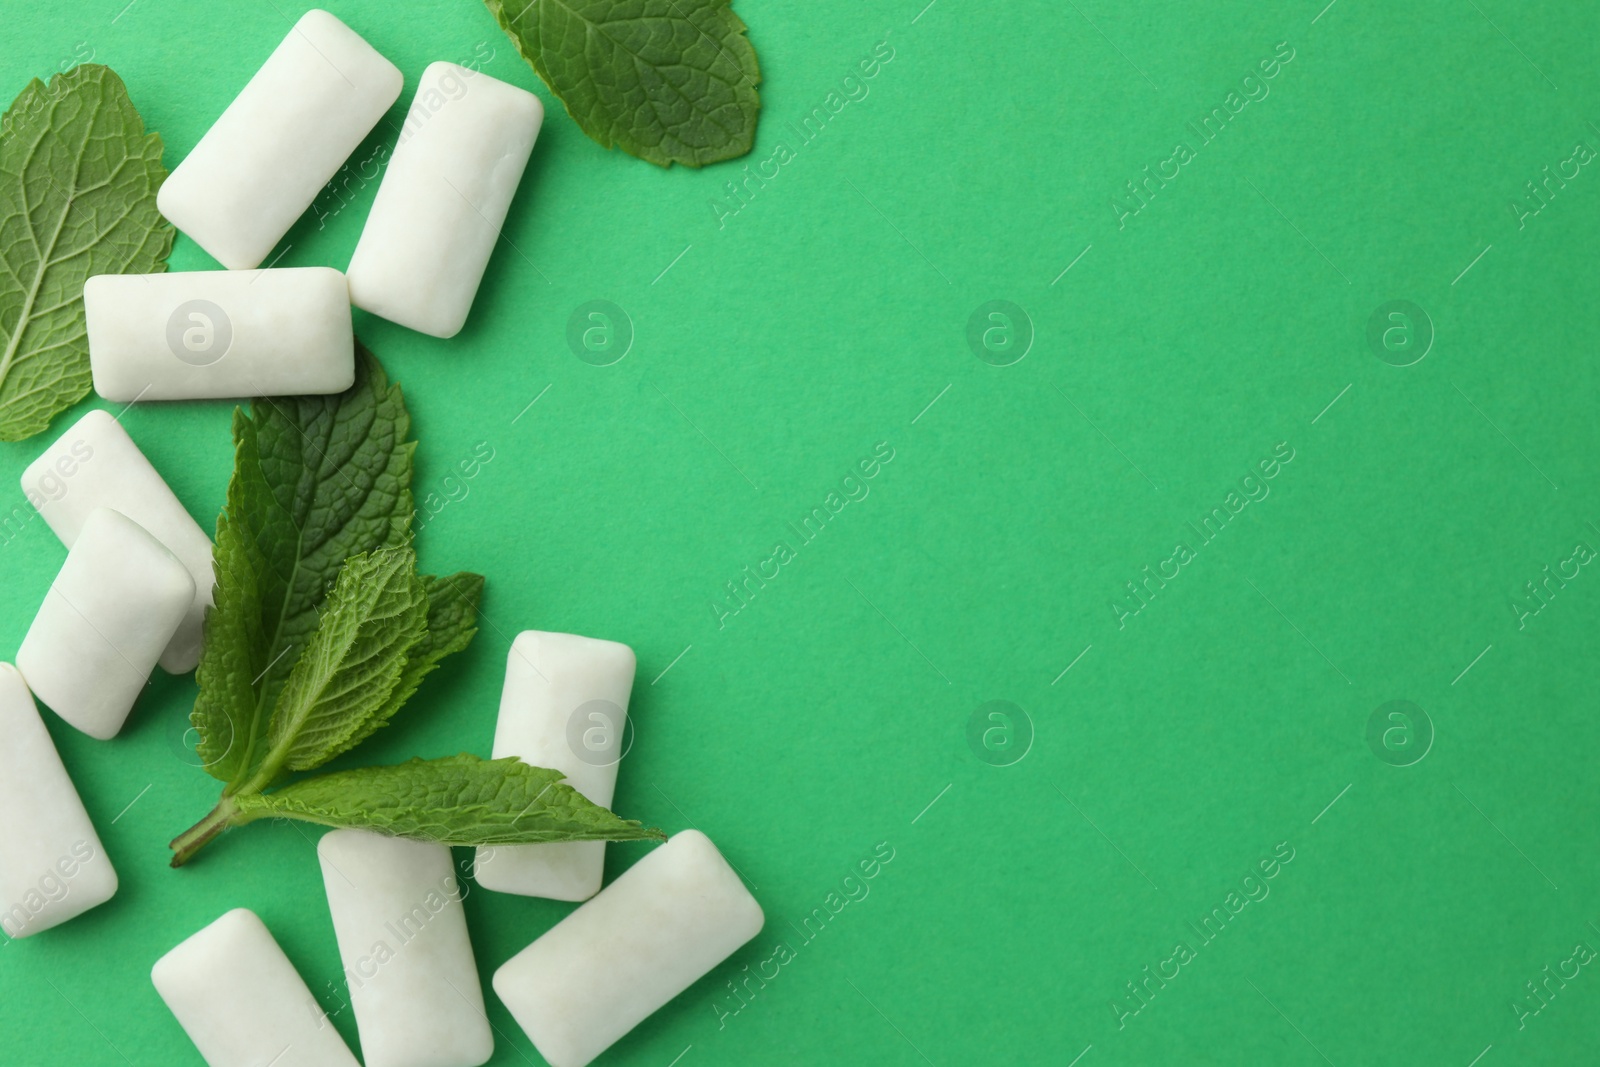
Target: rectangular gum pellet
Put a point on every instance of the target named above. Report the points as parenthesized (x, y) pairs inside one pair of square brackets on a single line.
[(407, 958), (95, 464), (644, 939), (220, 334), (442, 202), (564, 706), (104, 623), (52, 865), (281, 140), (242, 1002)]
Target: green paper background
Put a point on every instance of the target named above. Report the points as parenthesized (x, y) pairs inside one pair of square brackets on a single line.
[(777, 349)]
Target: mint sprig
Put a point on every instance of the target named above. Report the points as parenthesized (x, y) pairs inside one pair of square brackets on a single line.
[(78, 181), (323, 629), (457, 800), (669, 81), (316, 480)]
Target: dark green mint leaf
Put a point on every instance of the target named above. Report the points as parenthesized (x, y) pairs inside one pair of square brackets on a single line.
[(670, 81), (316, 480)]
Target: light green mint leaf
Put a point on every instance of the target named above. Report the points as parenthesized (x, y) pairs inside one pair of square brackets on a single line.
[(670, 81), (316, 480), (353, 662), (457, 800), (452, 623), (78, 181)]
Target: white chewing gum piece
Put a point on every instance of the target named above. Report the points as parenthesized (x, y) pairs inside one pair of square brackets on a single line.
[(407, 958), (218, 334), (111, 611), (644, 939), (565, 707), (242, 1002), (52, 865), (286, 134), (444, 198), (95, 464)]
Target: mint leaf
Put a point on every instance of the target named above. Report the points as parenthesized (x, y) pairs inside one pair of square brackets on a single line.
[(224, 714), (316, 480), (377, 611), (323, 629), (669, 81), (78, 181), (452, 623), (457, 800)]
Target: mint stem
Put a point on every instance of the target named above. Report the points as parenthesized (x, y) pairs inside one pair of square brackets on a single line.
[(202, 833)]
